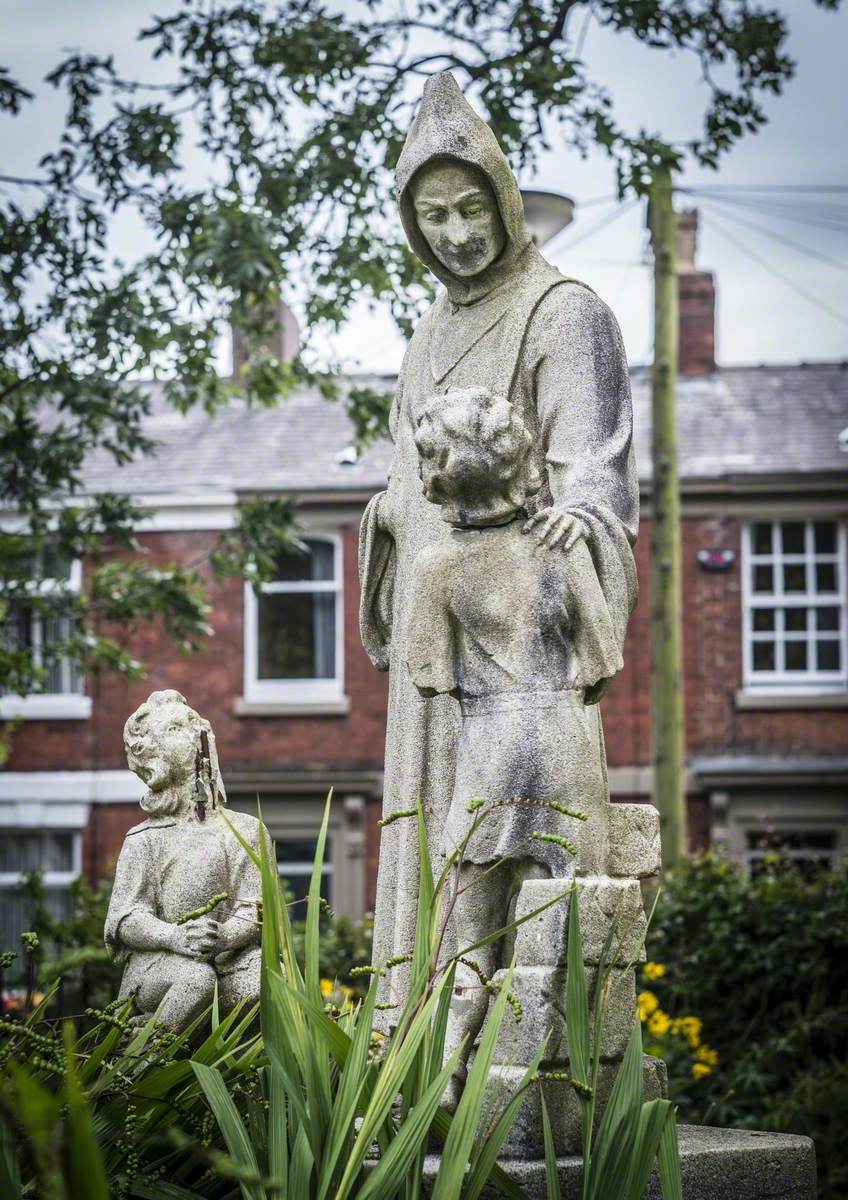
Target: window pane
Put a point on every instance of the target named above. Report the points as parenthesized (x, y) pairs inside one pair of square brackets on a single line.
[(792, 537), (297, 636), (55, 563), (827, 618), (825, 537), (294, 864), (763, 579), (315, 563), (763, 656), (763, 619), (762, 538), (794, 577), (795, 620), (22, 852), (796, 656), (825, 577), (828, 655)]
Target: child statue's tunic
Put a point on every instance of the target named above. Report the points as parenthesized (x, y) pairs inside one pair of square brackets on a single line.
[(171, 868), (518, 632)]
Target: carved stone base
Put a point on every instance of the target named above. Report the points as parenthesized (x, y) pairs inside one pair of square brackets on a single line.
[(717, 1164)]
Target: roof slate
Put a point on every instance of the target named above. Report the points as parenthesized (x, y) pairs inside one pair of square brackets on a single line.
[(742, 423)]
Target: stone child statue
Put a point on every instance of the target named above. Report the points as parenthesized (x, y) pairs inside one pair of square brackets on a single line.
[(519, 631), (173, 864), (507, 321)]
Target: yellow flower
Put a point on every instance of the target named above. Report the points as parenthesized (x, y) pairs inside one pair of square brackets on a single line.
[(690, 1028), (648, 1003), (327, 988), (706, 1054), (659, 1023), (700, 1070), (652, 970)]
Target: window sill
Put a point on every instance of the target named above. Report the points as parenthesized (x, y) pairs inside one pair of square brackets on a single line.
[(45, 708), (751, 700), (292, 708)]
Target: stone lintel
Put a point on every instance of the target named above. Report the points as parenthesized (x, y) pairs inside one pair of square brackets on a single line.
[(634, 840), (542, 940), (541, 991)]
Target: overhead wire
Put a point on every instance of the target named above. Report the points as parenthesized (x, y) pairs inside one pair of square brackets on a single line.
[(719, 227), (837, 222), (784, 241), (624, 207)]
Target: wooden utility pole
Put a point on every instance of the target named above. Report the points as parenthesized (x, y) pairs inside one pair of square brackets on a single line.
[(667, 731)]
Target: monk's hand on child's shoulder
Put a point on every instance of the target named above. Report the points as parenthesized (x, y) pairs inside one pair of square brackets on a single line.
[(555, 527)]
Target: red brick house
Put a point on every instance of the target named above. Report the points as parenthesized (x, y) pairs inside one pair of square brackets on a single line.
[(297, 707)]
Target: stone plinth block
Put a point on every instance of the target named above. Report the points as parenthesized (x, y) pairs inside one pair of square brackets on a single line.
[(541, 991), (634, 840), (541, 941), (526, 1140), (717, 1164)]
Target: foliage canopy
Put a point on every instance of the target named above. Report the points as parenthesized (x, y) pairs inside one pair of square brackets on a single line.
[(255, 163)]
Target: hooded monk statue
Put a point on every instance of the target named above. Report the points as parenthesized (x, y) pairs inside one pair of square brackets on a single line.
[(548, 354)]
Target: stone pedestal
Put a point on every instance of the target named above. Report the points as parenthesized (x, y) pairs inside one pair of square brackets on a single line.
[(717, 1164), (539, 982)]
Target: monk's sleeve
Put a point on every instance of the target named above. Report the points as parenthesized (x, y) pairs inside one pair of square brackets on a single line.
[(585, 426), (428, 640)]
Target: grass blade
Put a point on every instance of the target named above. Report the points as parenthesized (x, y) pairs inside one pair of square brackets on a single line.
[(87, 1174), (231, 1126), (484, 1161), (391, 1171), (278, 1134), (460, 1140), (653, 1117), (668, 1158), (551, 1172)]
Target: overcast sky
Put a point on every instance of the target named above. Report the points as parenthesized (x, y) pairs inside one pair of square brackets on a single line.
[(761, 318)]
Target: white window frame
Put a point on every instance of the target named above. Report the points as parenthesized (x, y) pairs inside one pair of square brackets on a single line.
[(53, 706), (295, 691), (786, 811), (783, 682)]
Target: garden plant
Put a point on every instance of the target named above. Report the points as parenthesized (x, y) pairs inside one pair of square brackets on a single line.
[(306, 1098)]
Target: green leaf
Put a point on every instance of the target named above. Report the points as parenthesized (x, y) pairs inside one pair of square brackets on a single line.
[(278, 1135), (231, 1126), (460, 1139), (551, 1169), (86, 1171), (668, 1156), (388, 1176), (484, 1159)]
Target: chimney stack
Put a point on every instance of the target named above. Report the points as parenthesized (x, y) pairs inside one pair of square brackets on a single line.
[(696, 302), (283, 342)]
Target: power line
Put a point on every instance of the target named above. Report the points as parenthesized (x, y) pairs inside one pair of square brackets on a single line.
[(838, 226), (831, 262), (822, 188), (767, 266), (602, 224)]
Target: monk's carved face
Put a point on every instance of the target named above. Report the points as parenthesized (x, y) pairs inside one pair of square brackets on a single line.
[(161, 745), (458, 217)]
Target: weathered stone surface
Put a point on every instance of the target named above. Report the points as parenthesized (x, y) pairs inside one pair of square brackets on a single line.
[(634, 841), (541, 992), (541, 941), (717, 1164), (176, 862), (526, 1140), (510, 323)]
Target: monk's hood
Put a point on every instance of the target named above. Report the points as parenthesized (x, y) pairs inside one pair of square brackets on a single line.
[(446, 126)]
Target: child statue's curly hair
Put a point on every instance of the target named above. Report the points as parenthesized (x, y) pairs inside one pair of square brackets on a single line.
[(474, 456)]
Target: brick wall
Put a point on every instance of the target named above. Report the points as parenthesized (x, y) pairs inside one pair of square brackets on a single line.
[(211, 681)]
